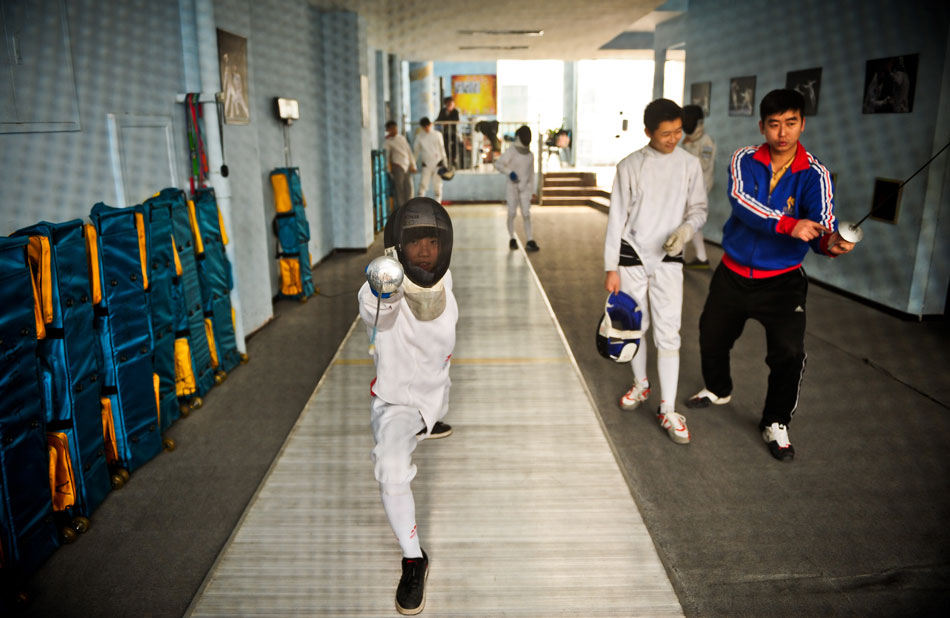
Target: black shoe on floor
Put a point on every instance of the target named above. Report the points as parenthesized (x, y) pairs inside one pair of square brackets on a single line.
[(411, 591), (532, 246), (776, 436), (698, 264), (439, 430), (512, 244)]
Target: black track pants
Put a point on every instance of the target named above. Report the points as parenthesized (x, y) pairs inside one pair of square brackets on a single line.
[(778, 303)]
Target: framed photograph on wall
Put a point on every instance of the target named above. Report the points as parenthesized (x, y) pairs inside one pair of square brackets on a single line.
[(889, 85), (699, 95), (808, 83), (232, 61), (741, 95)]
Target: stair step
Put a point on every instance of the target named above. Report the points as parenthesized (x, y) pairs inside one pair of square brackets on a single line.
[(575, 191)]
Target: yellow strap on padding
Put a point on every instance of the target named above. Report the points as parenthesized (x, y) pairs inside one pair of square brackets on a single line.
[(62, 483), (282, 201), (143, 250), (209, 331), (177, 259), (157, 382), (195, 230), (108, 431), (92, 254), (40, 266), (290, 283), (184, 374), (224, 233)]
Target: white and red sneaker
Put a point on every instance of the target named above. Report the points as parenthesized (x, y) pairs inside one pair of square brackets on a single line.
[(637, 394), (675, 426)]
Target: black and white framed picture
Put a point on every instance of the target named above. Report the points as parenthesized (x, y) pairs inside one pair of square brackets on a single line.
[(699, 93), (232, 60), (808, 83), (741, 95), (889, 85)]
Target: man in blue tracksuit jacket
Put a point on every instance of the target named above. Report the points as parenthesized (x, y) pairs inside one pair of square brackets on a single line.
[(782, 203)]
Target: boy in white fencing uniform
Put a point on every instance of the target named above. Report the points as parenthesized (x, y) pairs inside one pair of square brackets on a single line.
[(657, 203), (429, 149), (698, 143), (413, 330), (518, 164)]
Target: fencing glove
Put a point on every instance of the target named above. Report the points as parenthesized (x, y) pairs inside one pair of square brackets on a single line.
[(682, 235), (513, 176)]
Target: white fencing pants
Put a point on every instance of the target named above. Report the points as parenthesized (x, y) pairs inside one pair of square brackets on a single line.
[(430, 174)]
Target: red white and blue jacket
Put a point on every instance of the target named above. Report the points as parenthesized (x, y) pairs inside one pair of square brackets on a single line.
[(756, 236)]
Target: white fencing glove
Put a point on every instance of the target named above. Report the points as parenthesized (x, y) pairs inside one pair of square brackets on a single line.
[(682, 235)]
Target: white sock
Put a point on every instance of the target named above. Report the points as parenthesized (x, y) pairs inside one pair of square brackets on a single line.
[(668, 366), (639, 363), (511, 225), (400, 508), (527, 227)]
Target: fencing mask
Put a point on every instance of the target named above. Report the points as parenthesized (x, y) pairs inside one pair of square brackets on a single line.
[(618, 333), (419, 234)]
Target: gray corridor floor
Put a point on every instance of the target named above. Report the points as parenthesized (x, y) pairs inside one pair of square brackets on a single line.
[(855, 526)]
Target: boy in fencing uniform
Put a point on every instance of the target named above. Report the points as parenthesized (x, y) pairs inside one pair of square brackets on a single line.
[(657, 203), (518, 164), (413, 329), (698, 143), (430, 151)]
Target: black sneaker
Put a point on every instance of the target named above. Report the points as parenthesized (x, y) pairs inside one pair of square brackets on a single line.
[(512, 244), (532, 246), (776, 436), (698, 264), (439, 430), (411, 591)]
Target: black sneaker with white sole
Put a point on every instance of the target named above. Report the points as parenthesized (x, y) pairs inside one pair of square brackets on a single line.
[(512, 244), (531, 246), (411, 591), (439, 430), (776, 436), (705, 398)]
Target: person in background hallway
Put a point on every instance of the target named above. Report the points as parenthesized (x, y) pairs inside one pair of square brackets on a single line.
[(399, 160), (517, 163), (412, 328), (450, 132), (782, 204), (430, 151), (698, 143), (657, 203)]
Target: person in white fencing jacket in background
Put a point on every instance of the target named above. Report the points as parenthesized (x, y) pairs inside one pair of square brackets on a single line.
[(429, 150), (517, 163), (657, 203), (412, 328), (699, 144)]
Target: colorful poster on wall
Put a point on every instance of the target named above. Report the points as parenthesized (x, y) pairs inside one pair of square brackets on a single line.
[(475, 95)]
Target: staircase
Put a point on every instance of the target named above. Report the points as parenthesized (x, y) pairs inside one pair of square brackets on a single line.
[(574, 189)]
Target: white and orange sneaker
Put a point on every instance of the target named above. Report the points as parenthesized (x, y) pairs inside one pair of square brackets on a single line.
[(674, 424), (637, 394)]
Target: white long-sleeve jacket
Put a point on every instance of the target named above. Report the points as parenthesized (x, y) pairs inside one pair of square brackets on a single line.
[(412, 357), (653, 194), (429, 149), (700, 145), (521, 162)]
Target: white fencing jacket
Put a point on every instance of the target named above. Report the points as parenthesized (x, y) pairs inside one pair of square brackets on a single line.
[(700, 145), (521, 162), (412, 357), (653, 194), (429, 148)]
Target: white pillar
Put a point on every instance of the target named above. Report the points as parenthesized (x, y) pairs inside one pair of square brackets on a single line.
[(210, 77)]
